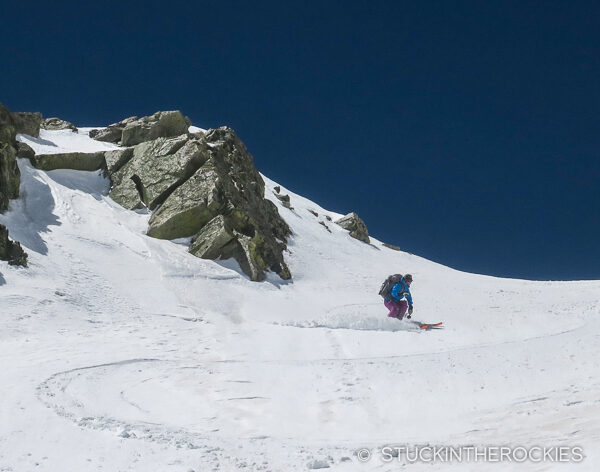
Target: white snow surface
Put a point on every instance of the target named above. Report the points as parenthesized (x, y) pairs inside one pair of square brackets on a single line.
[(121, 352)]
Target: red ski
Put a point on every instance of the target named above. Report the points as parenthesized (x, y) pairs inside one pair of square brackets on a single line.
[(430, 325)]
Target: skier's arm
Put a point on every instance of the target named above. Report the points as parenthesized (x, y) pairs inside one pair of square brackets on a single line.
[(409, 298), (395, 289)]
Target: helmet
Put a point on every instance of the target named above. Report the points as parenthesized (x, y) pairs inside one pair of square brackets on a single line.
[(408, 278)]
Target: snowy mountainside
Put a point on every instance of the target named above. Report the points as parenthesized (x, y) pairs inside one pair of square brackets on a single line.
[(124, 352)]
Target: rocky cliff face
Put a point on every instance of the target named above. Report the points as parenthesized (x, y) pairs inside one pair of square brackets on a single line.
[(10, 178), (201, 186), (27, 123), (222, 206), (9, 171), (204, 186)]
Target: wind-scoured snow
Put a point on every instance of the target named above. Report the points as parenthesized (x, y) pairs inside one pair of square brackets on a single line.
[(124, 352)]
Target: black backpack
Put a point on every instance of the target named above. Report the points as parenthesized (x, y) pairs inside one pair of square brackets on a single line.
[(386, 287)]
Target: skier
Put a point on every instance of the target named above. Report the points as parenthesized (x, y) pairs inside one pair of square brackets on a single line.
[(400, 298)]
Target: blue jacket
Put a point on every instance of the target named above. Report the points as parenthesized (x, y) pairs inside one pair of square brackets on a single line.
[(401, 290)]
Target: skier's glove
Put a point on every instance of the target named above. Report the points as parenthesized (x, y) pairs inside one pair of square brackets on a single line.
[(410, 310)]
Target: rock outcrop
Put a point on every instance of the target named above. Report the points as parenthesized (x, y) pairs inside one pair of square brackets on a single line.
[(55, 124), (155, 170), (285, 200), (216, 239), (117, 159), (27, 123), (132, 131), (25, 150), (70, 160), (11, 251), (201, 186), (163, 124), (10, 178), (190, 207), (391, 246), (204, 186), (356, 226), (112, 133), (7, 128)]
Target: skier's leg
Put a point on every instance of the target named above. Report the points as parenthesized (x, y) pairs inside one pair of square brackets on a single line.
[(402, 307), (393, 307), (388, 305)]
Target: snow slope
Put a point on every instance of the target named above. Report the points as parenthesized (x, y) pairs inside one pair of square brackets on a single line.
[(123, 352)]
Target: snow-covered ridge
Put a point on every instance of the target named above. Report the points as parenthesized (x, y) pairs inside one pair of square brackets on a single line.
[(127, 353)]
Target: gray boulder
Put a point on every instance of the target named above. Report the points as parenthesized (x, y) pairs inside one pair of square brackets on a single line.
[(249, 254), (55, 124), (88, 161), (163, 124), (27, 123), (112, 133), (356, 226), (155, 170), (25, 150), (189, 207), (214, 240), (134, 130), (11, 251), (285, 200), (218, 240), (117, 159)]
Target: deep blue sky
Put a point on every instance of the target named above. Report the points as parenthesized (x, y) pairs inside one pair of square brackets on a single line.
[(465, 132)]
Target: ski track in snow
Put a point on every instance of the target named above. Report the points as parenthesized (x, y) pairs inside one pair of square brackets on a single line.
[(123, 352)]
